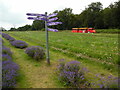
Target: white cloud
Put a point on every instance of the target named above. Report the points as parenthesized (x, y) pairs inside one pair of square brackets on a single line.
[(14, 11)]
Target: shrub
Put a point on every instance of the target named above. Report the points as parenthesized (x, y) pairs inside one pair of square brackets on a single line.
[(19, 44), (1, 42), (8, 37), (43, 29), (6, 57), (9, 73), (9, 69), (36, 52), (11, 39), (6, 51), (71, 73), (107, 82)]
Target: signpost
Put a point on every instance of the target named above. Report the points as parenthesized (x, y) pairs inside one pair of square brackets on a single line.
[(53, 23), (48, 22), (36, 18), (52, 15), (54, 30), (52, 19), (35, 14)]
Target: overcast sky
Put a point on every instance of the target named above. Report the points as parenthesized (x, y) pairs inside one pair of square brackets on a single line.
[(13, 12)]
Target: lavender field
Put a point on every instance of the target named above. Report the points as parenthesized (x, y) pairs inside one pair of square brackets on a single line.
[(92, 59)]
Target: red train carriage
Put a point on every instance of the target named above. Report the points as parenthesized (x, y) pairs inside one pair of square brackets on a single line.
[(83, 30)]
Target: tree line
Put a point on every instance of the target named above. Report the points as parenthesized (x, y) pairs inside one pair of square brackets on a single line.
[(94, 16)]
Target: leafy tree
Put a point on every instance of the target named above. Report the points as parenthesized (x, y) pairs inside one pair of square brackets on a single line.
[(93, 16), (13, 29), (66, 17), (23, 28), (117, 14), (111, 15), (2, 29), (37, 25), (95, 7)]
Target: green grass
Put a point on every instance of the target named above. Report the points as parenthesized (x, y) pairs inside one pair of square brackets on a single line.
[(97, 52), (103, 47)]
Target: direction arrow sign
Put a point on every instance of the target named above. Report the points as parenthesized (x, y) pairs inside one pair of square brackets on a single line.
[(36, 18), (52, 19), (54, 30), (52, 15), (35, 14), (53, 23)]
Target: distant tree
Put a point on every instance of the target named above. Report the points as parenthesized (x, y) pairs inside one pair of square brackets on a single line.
[(117, 14), (93, 16), (66, 17), (27, 27), (38, 25), (24, 28), (95, 7), (99, 23), (2, 29), (13, 29), (111, 15)]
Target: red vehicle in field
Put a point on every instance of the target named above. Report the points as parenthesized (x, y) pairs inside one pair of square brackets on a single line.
[(83, 30)]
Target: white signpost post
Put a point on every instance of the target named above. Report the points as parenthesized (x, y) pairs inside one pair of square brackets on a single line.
[(48, 22)]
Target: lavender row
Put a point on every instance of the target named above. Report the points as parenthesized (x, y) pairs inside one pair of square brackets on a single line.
[(8, 37), (35, 52), (9, 69), (19, 44), (16, 43), (6, 54)]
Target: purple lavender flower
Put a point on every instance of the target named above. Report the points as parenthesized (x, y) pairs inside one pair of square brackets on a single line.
[(6, 57), (1, 42), (72, 66), (70, 73), (36, 52), (6, 50), (9, 74), (19, 44), (9, 69), (107, 82), (8, 37)]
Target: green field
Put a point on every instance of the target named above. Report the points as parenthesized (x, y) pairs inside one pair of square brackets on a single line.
[(97, 52)]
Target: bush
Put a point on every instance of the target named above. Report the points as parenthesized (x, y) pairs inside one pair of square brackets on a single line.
[(9, 69), (1, 42), (107, 82), (43, 29), (71, 73), (36, 52), (9, 73), (6, 57), (19, 44), (8, 37), (11, 39), (6, 51)]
